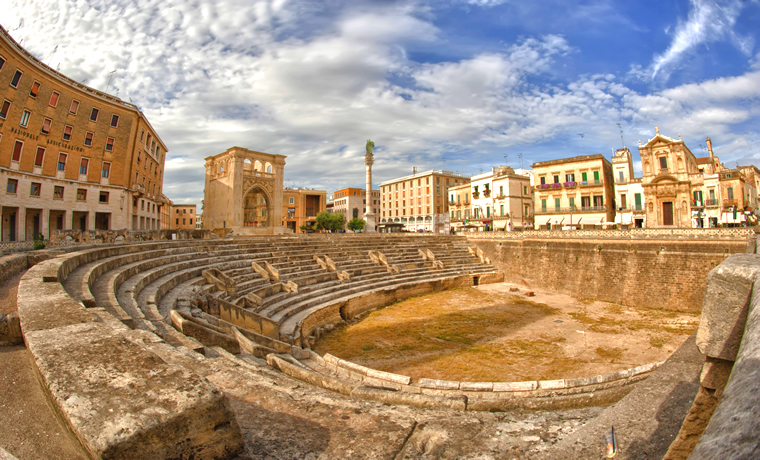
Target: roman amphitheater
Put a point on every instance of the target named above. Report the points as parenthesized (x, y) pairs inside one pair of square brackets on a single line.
[(197, 345)]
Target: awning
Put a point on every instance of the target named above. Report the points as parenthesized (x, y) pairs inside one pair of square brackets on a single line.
[(499, 224)]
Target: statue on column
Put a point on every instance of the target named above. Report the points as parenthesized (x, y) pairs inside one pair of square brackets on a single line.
[(369, 216)]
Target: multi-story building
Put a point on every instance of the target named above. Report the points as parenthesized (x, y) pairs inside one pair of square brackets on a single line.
[(300, 207), (418, 201), (512, 197), (502, 200), (460, 205), (165, 213), (575, 192), (71, 157), (629, 194), (352, 202), (182, 217)]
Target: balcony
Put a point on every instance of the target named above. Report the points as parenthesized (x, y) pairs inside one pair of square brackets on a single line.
[(711, 203), (486, 193), (573, 209), (591, 183), (730, 203), (697, 204)]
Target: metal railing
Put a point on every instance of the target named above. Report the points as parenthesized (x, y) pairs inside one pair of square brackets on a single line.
[(555, 210)]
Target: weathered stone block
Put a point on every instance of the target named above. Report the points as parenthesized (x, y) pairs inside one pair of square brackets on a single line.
[(438, 384), (125, 402), (724, 312), (515, 386)]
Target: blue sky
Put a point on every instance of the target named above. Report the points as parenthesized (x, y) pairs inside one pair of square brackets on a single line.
[(460, 85)]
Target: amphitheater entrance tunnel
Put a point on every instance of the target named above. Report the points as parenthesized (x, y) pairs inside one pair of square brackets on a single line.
[(256, 210)]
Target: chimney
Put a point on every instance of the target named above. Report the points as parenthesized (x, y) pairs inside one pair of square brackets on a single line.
[(712, 158)]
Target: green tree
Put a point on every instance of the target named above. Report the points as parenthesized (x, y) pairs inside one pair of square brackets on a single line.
[(328, 221), (356, 224)]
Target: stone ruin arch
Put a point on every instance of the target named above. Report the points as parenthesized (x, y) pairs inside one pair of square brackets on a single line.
[(230, 177)]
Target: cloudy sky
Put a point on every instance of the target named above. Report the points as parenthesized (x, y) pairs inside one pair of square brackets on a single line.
[(460, 85)]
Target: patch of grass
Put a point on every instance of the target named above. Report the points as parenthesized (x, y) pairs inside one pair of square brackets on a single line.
[(612, 354), (657, 341), (614, 308)]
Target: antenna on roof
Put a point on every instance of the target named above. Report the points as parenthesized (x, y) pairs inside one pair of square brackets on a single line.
[(621, 134), (506, 159), (582, 136), (109, 79), (53, 54), (520, 156)]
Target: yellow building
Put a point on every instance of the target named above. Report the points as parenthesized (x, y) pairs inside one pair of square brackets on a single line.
[(300, 207), (72, 157), (182, 217), (575, 192)]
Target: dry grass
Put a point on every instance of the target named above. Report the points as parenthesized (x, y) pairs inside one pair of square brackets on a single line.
[(474, 335)]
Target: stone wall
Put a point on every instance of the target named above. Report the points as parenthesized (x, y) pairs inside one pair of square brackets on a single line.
[(649, 272)]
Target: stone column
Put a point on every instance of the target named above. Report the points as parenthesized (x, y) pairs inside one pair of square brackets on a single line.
[(369, 216)]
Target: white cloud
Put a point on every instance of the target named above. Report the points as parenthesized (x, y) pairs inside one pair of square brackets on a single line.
[(708, 21), (278, 76)]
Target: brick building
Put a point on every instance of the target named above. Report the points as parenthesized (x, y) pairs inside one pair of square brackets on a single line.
[(300, 207), (71, 157), (418, 201)]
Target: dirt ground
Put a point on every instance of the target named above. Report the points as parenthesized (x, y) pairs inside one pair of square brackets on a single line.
[(28, 427), (488, 333)]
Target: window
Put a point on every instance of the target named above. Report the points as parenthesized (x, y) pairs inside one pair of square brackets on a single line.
[(58, 192), (183, 221), (16, 78), (5, 109), (663, 162), (35, 89), (525, 189), (109, 144), (621, 176), (2, 62), (74, 107), (637, 200), (83, 166), (46, 125), (25, 118), (12, 186), (556, 179), (142, 134), (54, 98), (623, 201), (543, 204), (106, 170), (572, 203), (81, 194), (557, 204), (35, 189), (570, 177), (103, 197), (40, 156), (67, 130), (596, 176), (114, 121), (17, 148), (177, 221), (88, 139), (584, 176), (730, 193), (61, 162), (543, 180), (94, 114)]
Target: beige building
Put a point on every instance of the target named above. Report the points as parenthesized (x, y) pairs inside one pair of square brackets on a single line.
[(575, 192), (629, 194), (419, 201), (182, 217), (352, 202), (244, 191), (300, 207), (71, 157), (460, 205)]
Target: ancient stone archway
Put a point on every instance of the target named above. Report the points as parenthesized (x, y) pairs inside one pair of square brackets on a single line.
[(257, 210)]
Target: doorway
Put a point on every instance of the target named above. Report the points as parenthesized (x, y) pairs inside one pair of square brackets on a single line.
[(667, 213)]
